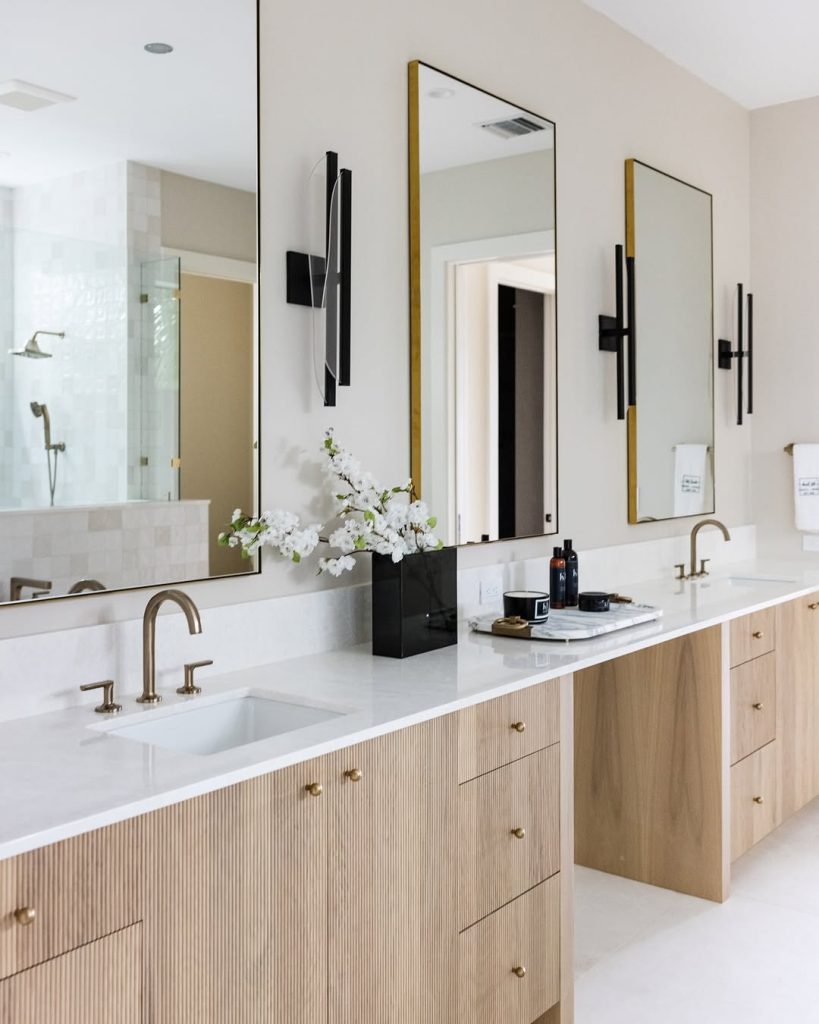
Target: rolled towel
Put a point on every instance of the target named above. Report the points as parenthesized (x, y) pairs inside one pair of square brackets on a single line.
[(806, 487)]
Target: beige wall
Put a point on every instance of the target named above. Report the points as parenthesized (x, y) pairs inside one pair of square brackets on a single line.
[(204, 217), (334, 76), (785, 271)]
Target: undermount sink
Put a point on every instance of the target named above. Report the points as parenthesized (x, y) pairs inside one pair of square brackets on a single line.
[(223, 724)]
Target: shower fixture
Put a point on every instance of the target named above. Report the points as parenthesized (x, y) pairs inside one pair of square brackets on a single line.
[(41, 412), (32, 348)]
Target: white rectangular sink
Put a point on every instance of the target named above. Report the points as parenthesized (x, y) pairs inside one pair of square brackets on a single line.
[(222, 725)]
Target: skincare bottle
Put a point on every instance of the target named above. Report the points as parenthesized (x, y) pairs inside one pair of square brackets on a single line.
[(557, 578), (572, 574)]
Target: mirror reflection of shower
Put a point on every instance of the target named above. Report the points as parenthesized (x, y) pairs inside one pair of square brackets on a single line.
[(32, 349), (52, 449)]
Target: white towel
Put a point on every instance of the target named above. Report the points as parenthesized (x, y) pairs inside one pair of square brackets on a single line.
[(690, 479), (806, 487)]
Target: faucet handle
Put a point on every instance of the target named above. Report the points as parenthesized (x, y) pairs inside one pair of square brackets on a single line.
[(681, 573), (189, 689), (108, 707), (703, 563)]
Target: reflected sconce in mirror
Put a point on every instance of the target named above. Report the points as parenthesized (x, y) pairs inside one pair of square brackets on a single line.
[(613, 330), (324, 282), (726, 354)]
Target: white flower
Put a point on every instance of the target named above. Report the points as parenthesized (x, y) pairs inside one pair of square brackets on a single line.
[(336, 566)]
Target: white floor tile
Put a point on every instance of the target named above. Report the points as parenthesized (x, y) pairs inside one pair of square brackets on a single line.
[(649, 956)]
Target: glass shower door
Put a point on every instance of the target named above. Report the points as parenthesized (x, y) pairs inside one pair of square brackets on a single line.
[(160, 300)]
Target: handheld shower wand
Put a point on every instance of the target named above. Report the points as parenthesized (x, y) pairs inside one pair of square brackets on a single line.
[(40, 410)]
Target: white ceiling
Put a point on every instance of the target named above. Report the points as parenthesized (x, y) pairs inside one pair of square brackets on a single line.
[(758, 52), (451, 132), (192, 111)]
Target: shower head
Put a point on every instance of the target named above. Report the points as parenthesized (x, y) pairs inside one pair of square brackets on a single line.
[(32, 348)]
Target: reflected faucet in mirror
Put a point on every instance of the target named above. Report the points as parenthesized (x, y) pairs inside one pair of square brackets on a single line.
[(694, 573), (179, 597), (83, 586), (39, 588)]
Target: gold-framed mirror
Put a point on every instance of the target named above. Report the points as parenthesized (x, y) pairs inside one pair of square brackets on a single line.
[(483, 287), (669, 229)]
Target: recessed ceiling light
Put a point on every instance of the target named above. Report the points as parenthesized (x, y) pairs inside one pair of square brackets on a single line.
[(442, 93), (159, 48), (27, 97)]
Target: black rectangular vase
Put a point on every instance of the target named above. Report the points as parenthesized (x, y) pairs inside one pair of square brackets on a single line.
[(415, 603)]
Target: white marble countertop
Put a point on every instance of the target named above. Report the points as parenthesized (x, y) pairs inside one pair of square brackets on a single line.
[(62, 775)]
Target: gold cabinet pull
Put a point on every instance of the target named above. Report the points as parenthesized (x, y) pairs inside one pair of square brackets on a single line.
[(519, 972), (314, 788), (518, 833), (758, 634), (354, 774), (759, 800), (758, 706), (813, 605), (519, 726), (25, 915)]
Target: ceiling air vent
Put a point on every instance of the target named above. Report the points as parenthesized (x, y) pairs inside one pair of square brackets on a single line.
[(27, 97), (513, 127)]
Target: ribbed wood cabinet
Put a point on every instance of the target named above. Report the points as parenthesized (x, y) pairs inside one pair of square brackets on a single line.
[(411, 879)]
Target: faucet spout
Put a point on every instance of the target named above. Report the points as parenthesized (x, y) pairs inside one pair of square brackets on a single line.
[(191, 612), (694, 534)]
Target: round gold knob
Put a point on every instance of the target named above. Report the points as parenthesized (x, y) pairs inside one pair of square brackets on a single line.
[(518, 833), (519, 972), (813, 606), (519, 726), (25, 915), (354, 774), (758, 706), (758, 634), (759, 800), (314, 788)]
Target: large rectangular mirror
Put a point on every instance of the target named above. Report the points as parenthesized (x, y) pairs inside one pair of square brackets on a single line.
[(671, 428), (484, 337), (128, 281)]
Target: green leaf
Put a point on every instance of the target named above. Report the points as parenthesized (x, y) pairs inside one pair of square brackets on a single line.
[(432, 522), (360, 543), (296, 557), (369, 516)]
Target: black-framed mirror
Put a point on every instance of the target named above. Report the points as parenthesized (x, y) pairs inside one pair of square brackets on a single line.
[(128, 293)]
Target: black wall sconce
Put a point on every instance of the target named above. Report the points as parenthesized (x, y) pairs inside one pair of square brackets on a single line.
[(613, 331), (324, 282), (726, 354)]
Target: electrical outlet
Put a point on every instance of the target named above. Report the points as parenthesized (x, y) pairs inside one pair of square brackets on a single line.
[(491, 591)]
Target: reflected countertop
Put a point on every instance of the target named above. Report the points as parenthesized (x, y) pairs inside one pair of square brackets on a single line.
[(62, 775)]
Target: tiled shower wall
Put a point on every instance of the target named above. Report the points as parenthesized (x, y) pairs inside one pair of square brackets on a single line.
[(70, 274), (131, 544), (79, 242)]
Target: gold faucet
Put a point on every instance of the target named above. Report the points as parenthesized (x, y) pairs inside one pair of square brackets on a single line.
[(149, 694), (694, 574)]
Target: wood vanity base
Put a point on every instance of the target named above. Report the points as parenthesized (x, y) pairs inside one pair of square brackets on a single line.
[(650, 789)]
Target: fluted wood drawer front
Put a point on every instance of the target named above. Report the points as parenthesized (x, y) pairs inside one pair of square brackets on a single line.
[(509, 833), (99, 983), (753, 799), (509, 965), (500, 731), (752, 635), (753, 706), (78, 890)]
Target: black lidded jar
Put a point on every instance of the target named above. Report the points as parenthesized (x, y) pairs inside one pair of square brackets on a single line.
[(557, 579), (572, 574)]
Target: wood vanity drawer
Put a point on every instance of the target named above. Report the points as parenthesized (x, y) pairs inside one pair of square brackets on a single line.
[(522, 936), (500, 731), (752, 635), (753, 799), (496, 864), (79, 890), (753, 706)]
